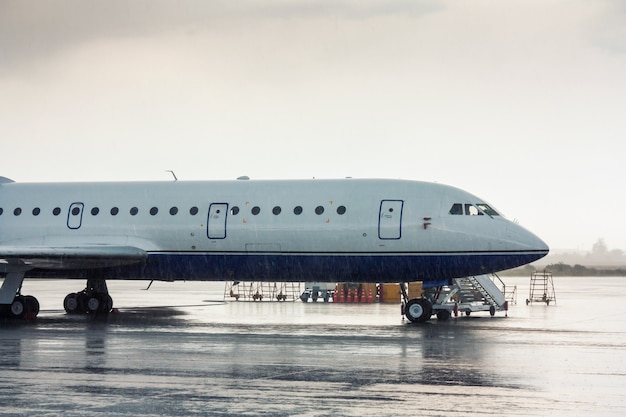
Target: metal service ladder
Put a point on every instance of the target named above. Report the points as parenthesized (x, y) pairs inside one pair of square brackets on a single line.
[(541, 288), (261, 291)]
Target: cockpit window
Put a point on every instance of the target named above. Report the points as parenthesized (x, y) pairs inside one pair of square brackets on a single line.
[(457, 208), (471, 210), (468, 209), (487, 210)]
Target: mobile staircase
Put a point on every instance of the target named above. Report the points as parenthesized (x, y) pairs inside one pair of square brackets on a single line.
[(468, 295)]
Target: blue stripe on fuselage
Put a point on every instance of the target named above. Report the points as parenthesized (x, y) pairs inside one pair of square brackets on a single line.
[(350, 267)]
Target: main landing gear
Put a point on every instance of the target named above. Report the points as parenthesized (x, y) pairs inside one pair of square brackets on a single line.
[(94, 299), (12, 303), (417, 310), (22, 307)]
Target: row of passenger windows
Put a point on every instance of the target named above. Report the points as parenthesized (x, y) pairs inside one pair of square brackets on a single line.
[(472, 210), (297, 210), (256, 210)]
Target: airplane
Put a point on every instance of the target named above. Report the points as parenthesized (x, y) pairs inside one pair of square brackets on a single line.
[(339, 230)]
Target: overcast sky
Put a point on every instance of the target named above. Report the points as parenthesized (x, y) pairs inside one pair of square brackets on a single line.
[(520, 102)]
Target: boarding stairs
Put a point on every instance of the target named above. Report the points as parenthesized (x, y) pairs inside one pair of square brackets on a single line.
[(469, 294), (490, 293)]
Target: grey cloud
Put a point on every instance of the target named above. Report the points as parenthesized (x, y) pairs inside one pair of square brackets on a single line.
[(608, 30), (30, 31)]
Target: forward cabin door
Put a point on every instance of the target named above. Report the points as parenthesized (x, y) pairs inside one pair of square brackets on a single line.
[(216, 223), (390, 219)]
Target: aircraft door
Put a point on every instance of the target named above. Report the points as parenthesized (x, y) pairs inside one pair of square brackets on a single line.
[(216, 223), (75, 215), (390, 219)]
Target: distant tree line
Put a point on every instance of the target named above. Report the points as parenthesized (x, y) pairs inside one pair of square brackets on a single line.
[(600, 261), (600, 257), (566, 270)]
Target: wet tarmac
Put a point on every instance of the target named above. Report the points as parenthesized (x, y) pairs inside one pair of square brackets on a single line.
[(179, 349)]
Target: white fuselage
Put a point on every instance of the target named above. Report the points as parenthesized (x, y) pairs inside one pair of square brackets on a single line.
[(292, 230)]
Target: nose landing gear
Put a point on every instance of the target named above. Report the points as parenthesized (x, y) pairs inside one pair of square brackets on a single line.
[(416, 310)]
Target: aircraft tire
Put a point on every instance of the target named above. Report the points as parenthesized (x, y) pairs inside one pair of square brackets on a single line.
[(443, 315), (418, 310), (108, 304), (18, 308), (32, 306), (492, 311), (93, 304), (71, 304)]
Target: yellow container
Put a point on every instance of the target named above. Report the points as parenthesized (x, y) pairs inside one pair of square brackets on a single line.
[(390, 293), (415, 290)]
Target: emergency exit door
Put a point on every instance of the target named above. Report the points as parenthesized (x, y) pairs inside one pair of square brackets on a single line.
[(216, 223), (390, 219)]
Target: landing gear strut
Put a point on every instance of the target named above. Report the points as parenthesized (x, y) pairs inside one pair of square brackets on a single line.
[(94, 299), (417, 310)]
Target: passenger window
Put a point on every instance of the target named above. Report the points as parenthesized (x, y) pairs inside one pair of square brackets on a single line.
[(17, 211), (154, 211), (457, 209), (1, 211), (319, 210), (234, 211), (276, 210), (36, 211), (297, 210), (193, 211), (174, 211), (134, 211), (95, 211), (114, 211), (56, 211), (341, 210), (256, 210)]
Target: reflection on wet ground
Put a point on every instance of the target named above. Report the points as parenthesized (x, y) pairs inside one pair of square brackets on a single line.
[(179, 349)]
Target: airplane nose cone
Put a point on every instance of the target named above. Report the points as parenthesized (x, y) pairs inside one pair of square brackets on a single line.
[(521, 239), (542, 248)]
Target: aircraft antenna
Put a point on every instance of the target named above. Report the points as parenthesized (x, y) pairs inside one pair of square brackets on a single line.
[(172, 172)]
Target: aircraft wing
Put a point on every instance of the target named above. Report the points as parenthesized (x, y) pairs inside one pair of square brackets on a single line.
[(68, 257)]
